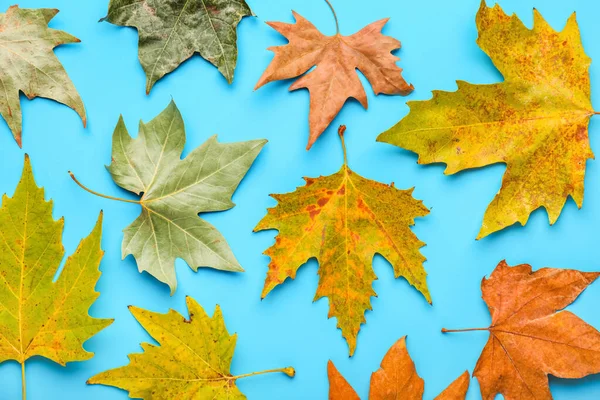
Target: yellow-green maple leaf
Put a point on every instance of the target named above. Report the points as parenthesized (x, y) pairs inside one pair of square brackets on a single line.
[(343, 220), (536, 121), (192, 360), (39, 317)]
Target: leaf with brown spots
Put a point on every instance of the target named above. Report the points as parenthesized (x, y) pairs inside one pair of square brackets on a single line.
[(396, 379), (344, 220), (29, 65), (336, 58), (192, 359), (529, 339), (535, 122), (40, 317)]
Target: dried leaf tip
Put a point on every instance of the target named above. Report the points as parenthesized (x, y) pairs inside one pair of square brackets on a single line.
[(341, 131)]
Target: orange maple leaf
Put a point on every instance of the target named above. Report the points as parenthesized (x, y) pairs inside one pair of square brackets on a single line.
[(343, 220), (396, 379), (529, 339), (334, 80)]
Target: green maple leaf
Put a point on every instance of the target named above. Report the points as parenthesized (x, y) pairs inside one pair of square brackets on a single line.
[(40, 317), (28, 64), (171, 31), (174, 192)]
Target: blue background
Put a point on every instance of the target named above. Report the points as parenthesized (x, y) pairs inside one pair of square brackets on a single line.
[(287, 328)]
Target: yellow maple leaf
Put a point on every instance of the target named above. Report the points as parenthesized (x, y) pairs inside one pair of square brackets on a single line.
[(40, 317), (536, 121), (192, 360), (343, 220)]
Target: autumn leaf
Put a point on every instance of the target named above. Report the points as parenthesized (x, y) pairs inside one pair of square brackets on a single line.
[(174, 192), (28, 64), (343, 220), (396, 379), (192, 359), (336, 58), (529, 339), (457, 389), (172, 31), (536, 121), (40, 317)]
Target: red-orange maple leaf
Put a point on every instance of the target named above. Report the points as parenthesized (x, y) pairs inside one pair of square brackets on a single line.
[(334, 80)]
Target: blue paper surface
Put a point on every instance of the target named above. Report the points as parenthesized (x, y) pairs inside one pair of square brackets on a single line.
[(287, 328)]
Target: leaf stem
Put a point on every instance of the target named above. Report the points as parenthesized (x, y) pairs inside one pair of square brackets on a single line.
[(337, 25), (341, 131), (444, 330), (289, 371), (596, 113), (23, 386), (100, 194)]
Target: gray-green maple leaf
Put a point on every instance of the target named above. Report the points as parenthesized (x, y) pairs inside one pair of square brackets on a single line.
[(171, 31), (29, 65), (174, 192)]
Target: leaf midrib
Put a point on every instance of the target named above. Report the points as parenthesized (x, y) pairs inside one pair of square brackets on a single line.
[(209, 365), (493, 331), (345, 180), (514, 122), (58, 309), (38, 69), (25, 220), (225, 63), (183, 189), (162, 51), (151, 211)]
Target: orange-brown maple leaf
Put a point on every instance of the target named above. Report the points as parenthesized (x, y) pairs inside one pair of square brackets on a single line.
[(334, 80), (529, 339), (396, 379)]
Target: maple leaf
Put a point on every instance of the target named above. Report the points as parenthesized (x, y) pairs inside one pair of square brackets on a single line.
[(40, 317), (396, 379), (343, 220), (334, 80), (174, 192), (172, 31), (536, 121), (529, 339), (28, 64), (192, 360)]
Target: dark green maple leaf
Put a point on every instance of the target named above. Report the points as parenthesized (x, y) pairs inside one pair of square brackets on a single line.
[(171, 31)]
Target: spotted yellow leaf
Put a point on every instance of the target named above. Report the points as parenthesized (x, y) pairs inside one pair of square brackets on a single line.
[(535, 122), (343, 220)]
